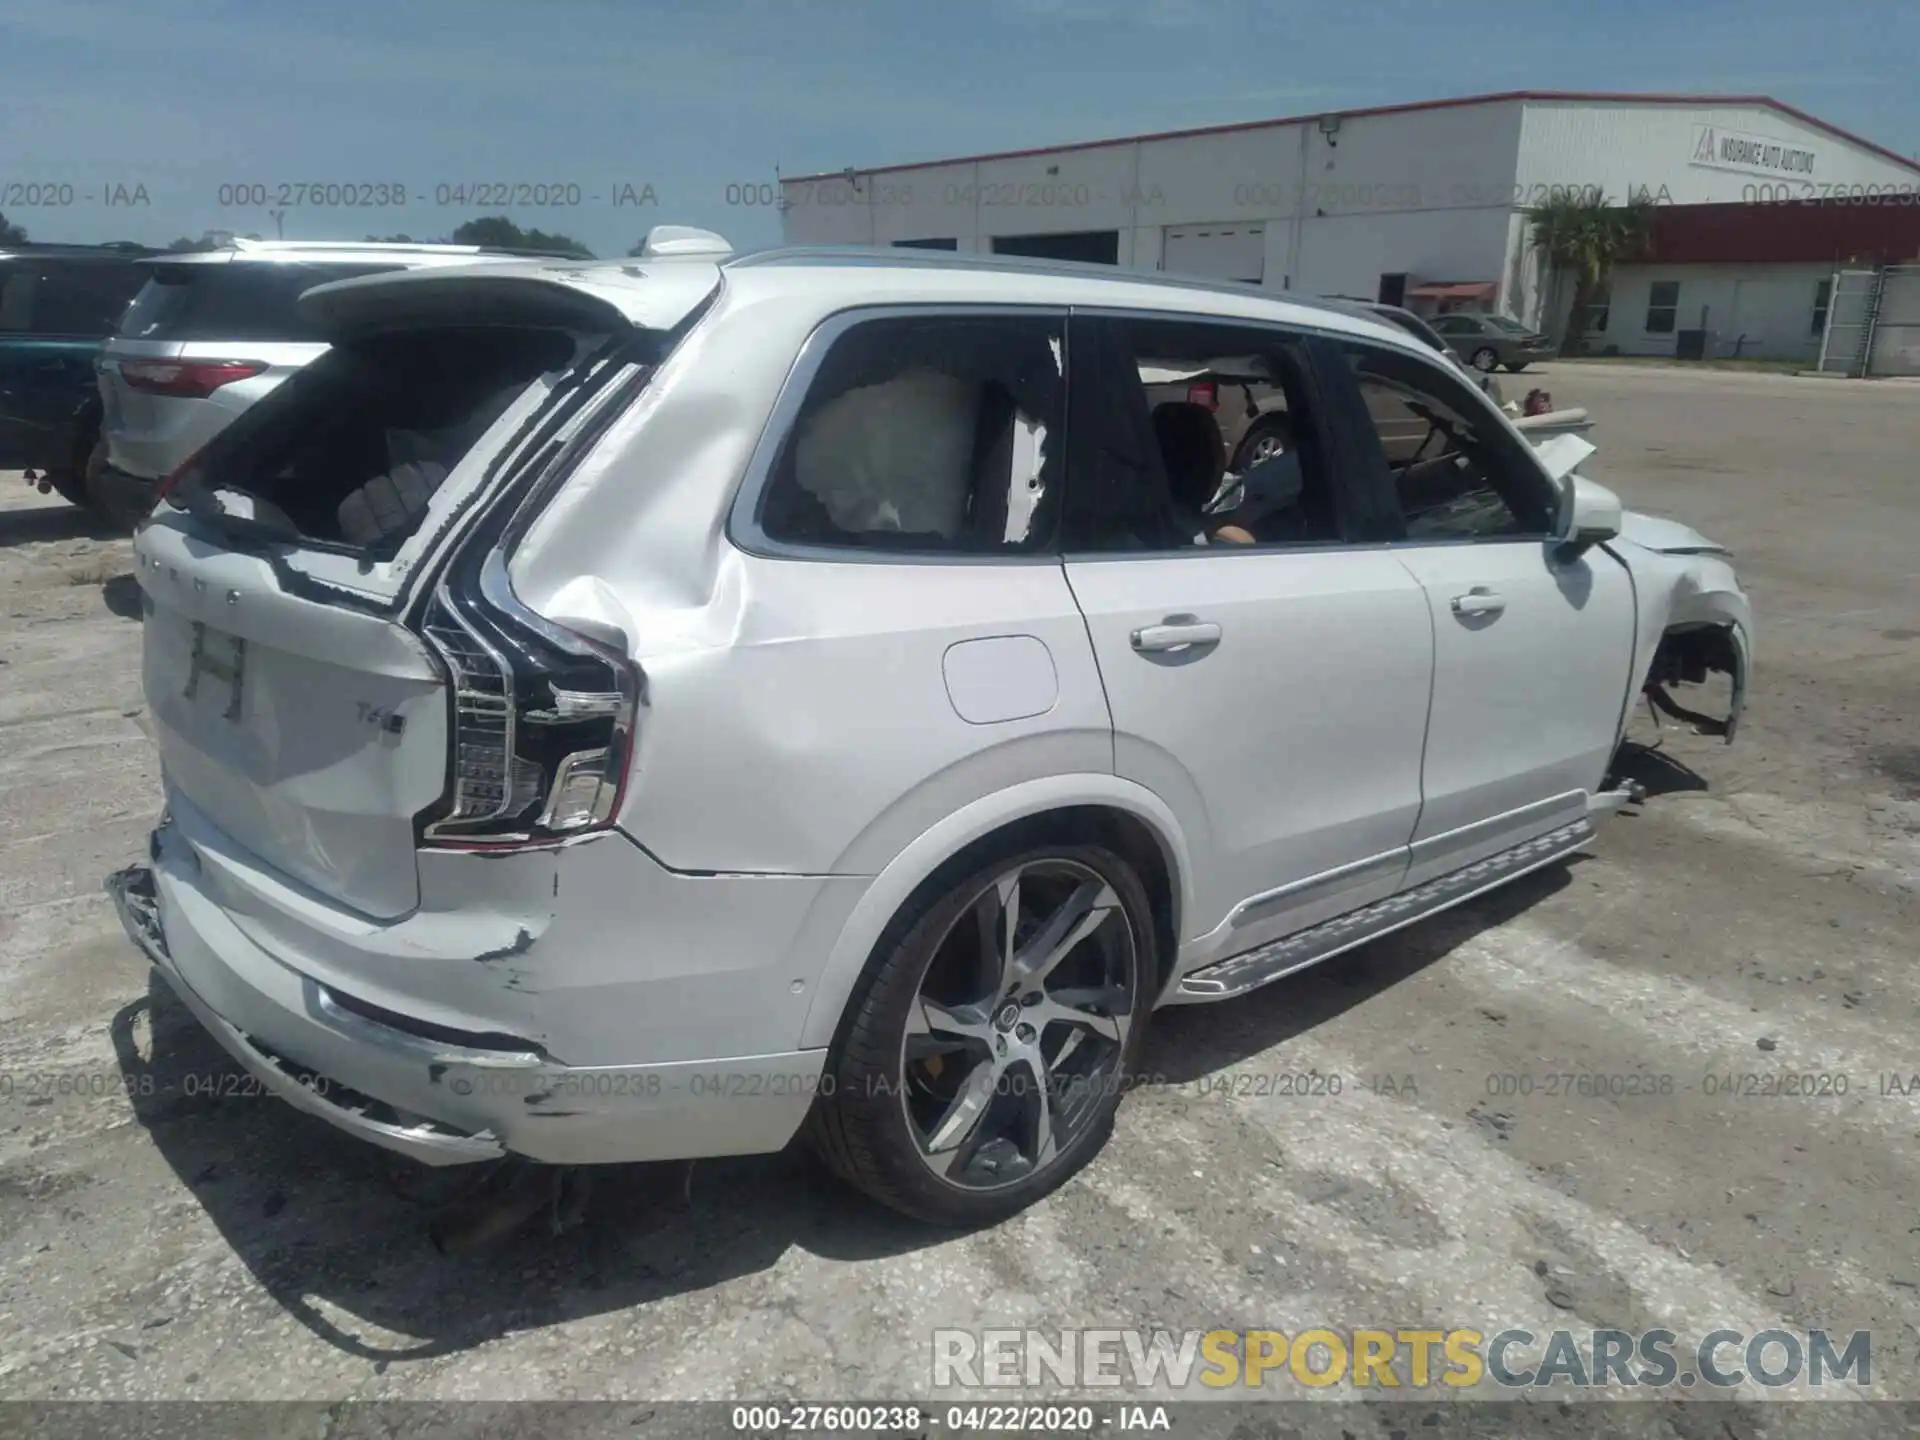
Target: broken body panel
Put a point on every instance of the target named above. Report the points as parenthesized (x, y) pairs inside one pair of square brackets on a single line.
[(337, 919), (1694, 617)]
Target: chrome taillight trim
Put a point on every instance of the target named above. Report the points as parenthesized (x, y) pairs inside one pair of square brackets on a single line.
[(481, 709), (496, 588), (465, 599)]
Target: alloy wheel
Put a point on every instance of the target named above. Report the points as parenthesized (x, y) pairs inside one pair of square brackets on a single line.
[(1264, 448), (1017, 1032)]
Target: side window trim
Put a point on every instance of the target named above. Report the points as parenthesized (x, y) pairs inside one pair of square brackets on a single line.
[(1363, 483), (744, 530), (1513, 448), (1306, 337)]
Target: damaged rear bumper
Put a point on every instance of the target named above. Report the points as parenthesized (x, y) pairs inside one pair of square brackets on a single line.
[(439, 1102)]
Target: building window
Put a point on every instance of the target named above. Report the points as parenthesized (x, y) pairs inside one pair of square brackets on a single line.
[(1599, 306), (1663, 304), (947, 243), (1393, 289), (1822, 298)]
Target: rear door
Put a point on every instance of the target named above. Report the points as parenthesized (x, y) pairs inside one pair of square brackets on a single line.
[(1273, 694), (294, 711), (54, 313), (19, 278), (1532, 644), (1458, 331)]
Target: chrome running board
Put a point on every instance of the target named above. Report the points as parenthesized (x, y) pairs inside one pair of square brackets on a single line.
[(1253, 968)]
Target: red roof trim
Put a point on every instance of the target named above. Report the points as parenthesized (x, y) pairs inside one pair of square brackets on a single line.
[(1594, 97), (1799, 232)]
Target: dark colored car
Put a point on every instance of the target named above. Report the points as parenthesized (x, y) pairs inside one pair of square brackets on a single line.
[(1488, 341), (58, 303)]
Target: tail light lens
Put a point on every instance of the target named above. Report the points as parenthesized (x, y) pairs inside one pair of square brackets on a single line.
[(1205, 394), (543, 720), (186, 379)]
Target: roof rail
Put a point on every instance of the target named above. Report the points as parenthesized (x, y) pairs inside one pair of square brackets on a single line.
[(128, 248), (241, 242), (400, 247)]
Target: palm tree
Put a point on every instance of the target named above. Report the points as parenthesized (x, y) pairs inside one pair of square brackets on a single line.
[(1587, 236)]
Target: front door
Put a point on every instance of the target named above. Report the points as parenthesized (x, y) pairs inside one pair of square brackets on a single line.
[(1273, 693), (1532, 644)]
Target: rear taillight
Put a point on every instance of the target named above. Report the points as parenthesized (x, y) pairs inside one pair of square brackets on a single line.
[(543, 720), (1205, 394), (186, 379)]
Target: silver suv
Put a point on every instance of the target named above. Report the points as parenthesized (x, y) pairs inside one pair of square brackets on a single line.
[(207, 336), (808, 689)]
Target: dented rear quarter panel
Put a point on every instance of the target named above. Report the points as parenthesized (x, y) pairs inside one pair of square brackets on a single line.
[(798, 719)]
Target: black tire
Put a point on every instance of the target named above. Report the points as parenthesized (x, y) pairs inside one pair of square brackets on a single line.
[(75, 483), (1485, 359), (96, 461), (1272, 427), (859, 1124), (70, 488)]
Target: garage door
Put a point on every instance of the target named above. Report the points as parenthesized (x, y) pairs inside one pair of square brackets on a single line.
[(1216, 252), (1095, 247)]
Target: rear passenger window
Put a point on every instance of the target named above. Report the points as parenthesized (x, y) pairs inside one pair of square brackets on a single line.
[(940, 434), (17, 284), (1457, 473), (1194, 433), (232, 300), (85, 297)]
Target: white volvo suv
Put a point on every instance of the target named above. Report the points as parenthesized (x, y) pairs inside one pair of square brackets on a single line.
[(638, 710)]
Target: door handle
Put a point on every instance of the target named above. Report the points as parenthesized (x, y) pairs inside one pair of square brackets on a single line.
[(1478, 601), (1176, 632)]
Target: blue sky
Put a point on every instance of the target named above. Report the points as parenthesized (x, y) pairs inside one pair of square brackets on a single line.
[(183, 96)]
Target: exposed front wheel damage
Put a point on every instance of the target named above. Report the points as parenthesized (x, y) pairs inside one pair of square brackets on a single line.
[(1688, 654)]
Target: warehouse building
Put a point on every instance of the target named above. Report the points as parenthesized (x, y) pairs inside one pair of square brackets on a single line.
[(1423, 205)]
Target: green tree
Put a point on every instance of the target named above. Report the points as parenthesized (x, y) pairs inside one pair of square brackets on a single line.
[(11, 234), (1585, 236), (500, 232)]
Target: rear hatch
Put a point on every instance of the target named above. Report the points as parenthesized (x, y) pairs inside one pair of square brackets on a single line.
[(204, 339), (314, 580)]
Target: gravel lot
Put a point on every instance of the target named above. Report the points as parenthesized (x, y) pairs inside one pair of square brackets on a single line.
[(1758, 915)]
